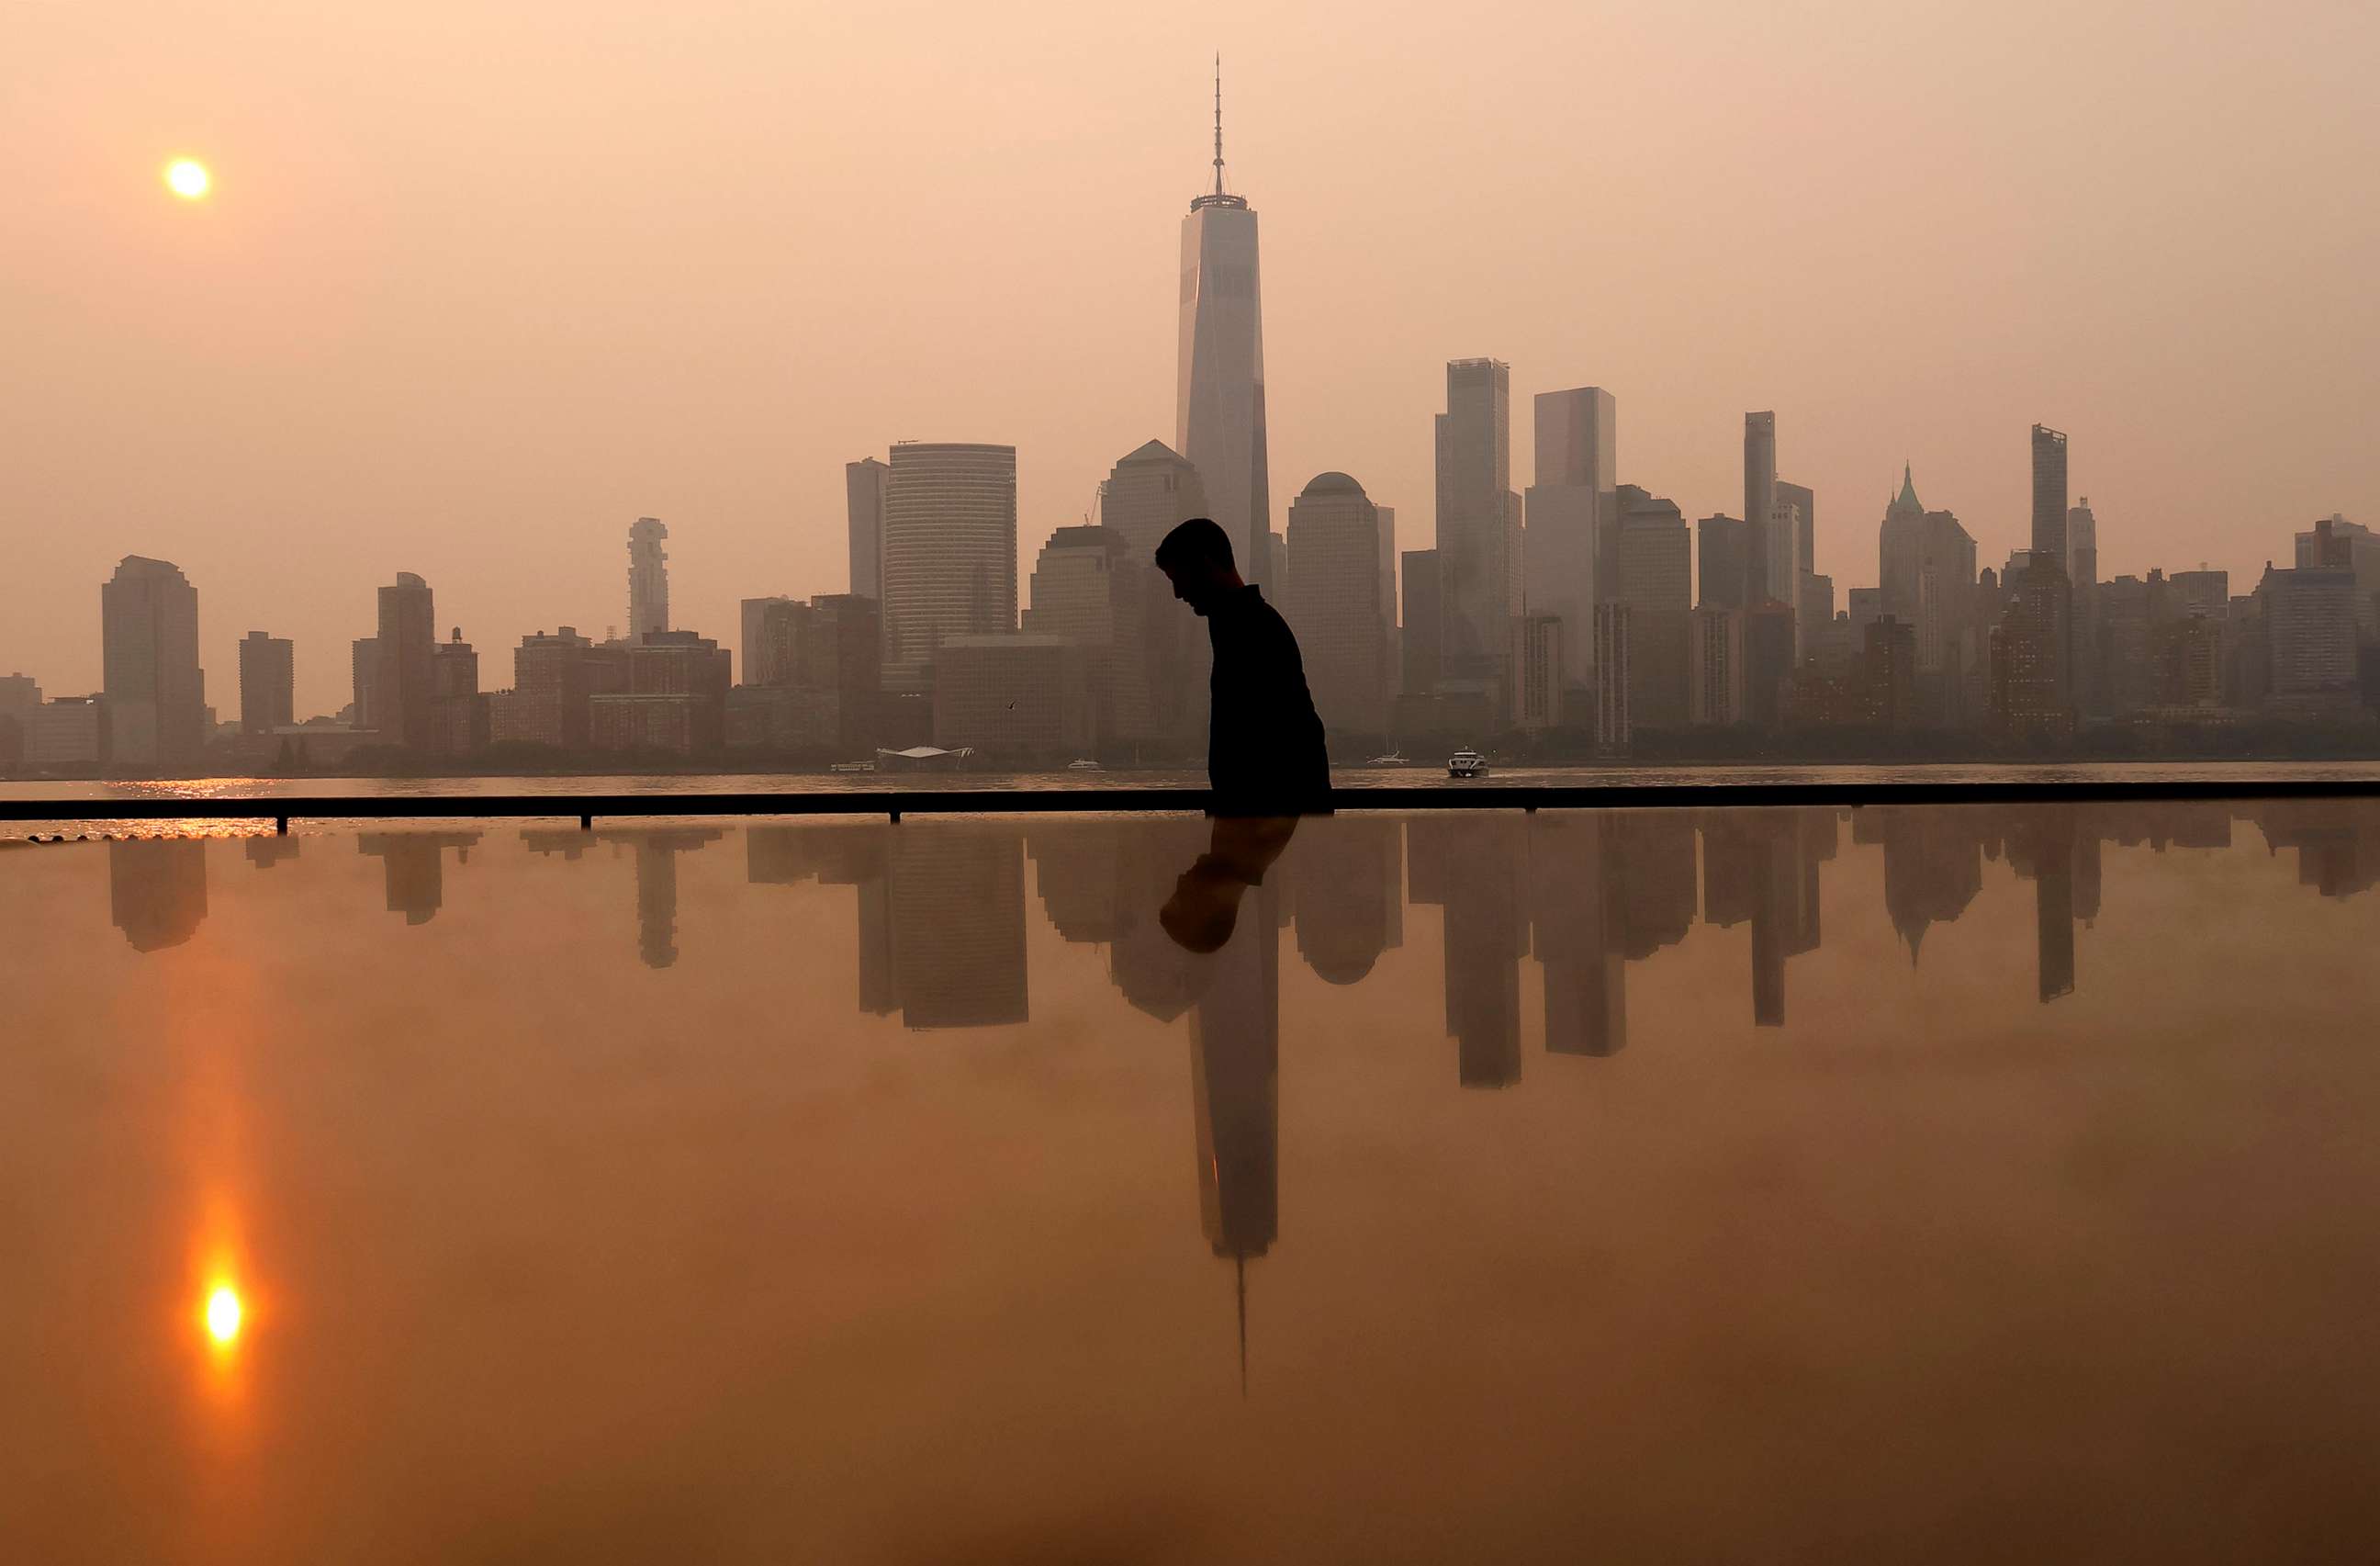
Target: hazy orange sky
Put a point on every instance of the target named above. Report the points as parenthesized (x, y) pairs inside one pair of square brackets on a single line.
[(479, 286)]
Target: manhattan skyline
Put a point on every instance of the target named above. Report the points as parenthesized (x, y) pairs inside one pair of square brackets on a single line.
[(475, 343)]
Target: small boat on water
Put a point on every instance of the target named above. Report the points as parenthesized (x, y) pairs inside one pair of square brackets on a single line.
[(1085, 764), (1467, 764), (851, 766), (1394, 758)]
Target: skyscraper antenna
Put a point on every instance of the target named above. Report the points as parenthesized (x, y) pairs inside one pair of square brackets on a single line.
[(1239, 1271), (1219, 122)]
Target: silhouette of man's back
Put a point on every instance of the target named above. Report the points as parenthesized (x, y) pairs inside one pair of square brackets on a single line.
[(1265, 754)]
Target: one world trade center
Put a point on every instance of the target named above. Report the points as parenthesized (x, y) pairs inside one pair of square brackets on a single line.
[(1220, 406)]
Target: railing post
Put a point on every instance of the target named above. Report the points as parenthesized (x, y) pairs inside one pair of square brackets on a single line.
[(281, 826), (586, 824)]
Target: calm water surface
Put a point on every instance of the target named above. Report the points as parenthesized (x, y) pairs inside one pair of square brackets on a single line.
[(1956, 1184)]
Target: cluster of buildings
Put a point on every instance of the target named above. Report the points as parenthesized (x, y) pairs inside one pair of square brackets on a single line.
[(1579, 605)]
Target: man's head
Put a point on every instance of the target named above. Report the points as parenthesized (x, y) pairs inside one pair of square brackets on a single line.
[(1196, 558)]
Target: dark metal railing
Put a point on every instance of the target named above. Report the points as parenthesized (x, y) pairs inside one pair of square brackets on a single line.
[(895, 803)]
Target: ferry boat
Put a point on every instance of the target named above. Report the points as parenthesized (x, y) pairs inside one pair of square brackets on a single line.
[(1085, 765), (851, 766), (1467, 763)]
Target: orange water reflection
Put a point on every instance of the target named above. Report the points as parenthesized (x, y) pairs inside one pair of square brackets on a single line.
[(1928, 1185)]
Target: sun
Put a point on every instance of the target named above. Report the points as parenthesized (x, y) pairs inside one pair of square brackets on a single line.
[(224, 1315), (188, 178)]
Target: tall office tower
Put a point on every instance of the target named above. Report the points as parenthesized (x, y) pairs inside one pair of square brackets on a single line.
[(2028, 688), (1540, 674), (648, 577), (21, 697), (2082, 544), (1611, 678), (2054, 595), (1926, 575), (1218, 410), (1767, 662), (149, 644), (404, 682), (1652, 553), (1477, 514), (863, 496), (2354, 547), (1815, 612), (2049, 497), (760, 649), (1759, 499), (1564, 511), (1334, 603), (1722, 545), (267, 683), (1090, 588), (1806, 557), (1150, 492), (552, 678), (1425, 622), (458, 717), (1715, 668), (842, 651), (363, 667), (2203, 592), (2308, 622), (950, 552), (2093, 673), (1780, 570)]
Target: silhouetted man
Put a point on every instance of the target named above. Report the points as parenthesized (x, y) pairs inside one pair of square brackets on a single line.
[(1264, 742)]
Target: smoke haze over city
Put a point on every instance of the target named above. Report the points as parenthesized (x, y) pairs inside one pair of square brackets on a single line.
[(476, 287)]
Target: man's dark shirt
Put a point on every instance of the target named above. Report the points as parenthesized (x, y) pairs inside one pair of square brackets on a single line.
[(1264, 742)]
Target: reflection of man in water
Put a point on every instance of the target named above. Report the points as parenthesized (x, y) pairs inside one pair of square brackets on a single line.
[(1206, 902), (1264, 742)]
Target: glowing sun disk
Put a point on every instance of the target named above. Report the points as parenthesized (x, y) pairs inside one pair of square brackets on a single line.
[(188, 178), (222, 1314)]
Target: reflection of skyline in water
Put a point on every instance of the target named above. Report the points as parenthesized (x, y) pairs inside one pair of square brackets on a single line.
[(1335, 1117), (938, 912), (939, 905)]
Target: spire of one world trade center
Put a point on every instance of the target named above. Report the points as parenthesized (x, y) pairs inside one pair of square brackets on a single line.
[(1220, 406)]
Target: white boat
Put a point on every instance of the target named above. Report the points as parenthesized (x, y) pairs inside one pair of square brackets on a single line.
[(851, 766), (1394, 758), (1467, 764), (1085, 765)]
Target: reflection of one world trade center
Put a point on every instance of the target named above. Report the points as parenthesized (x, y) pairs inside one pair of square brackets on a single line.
[(1236, 1040)]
